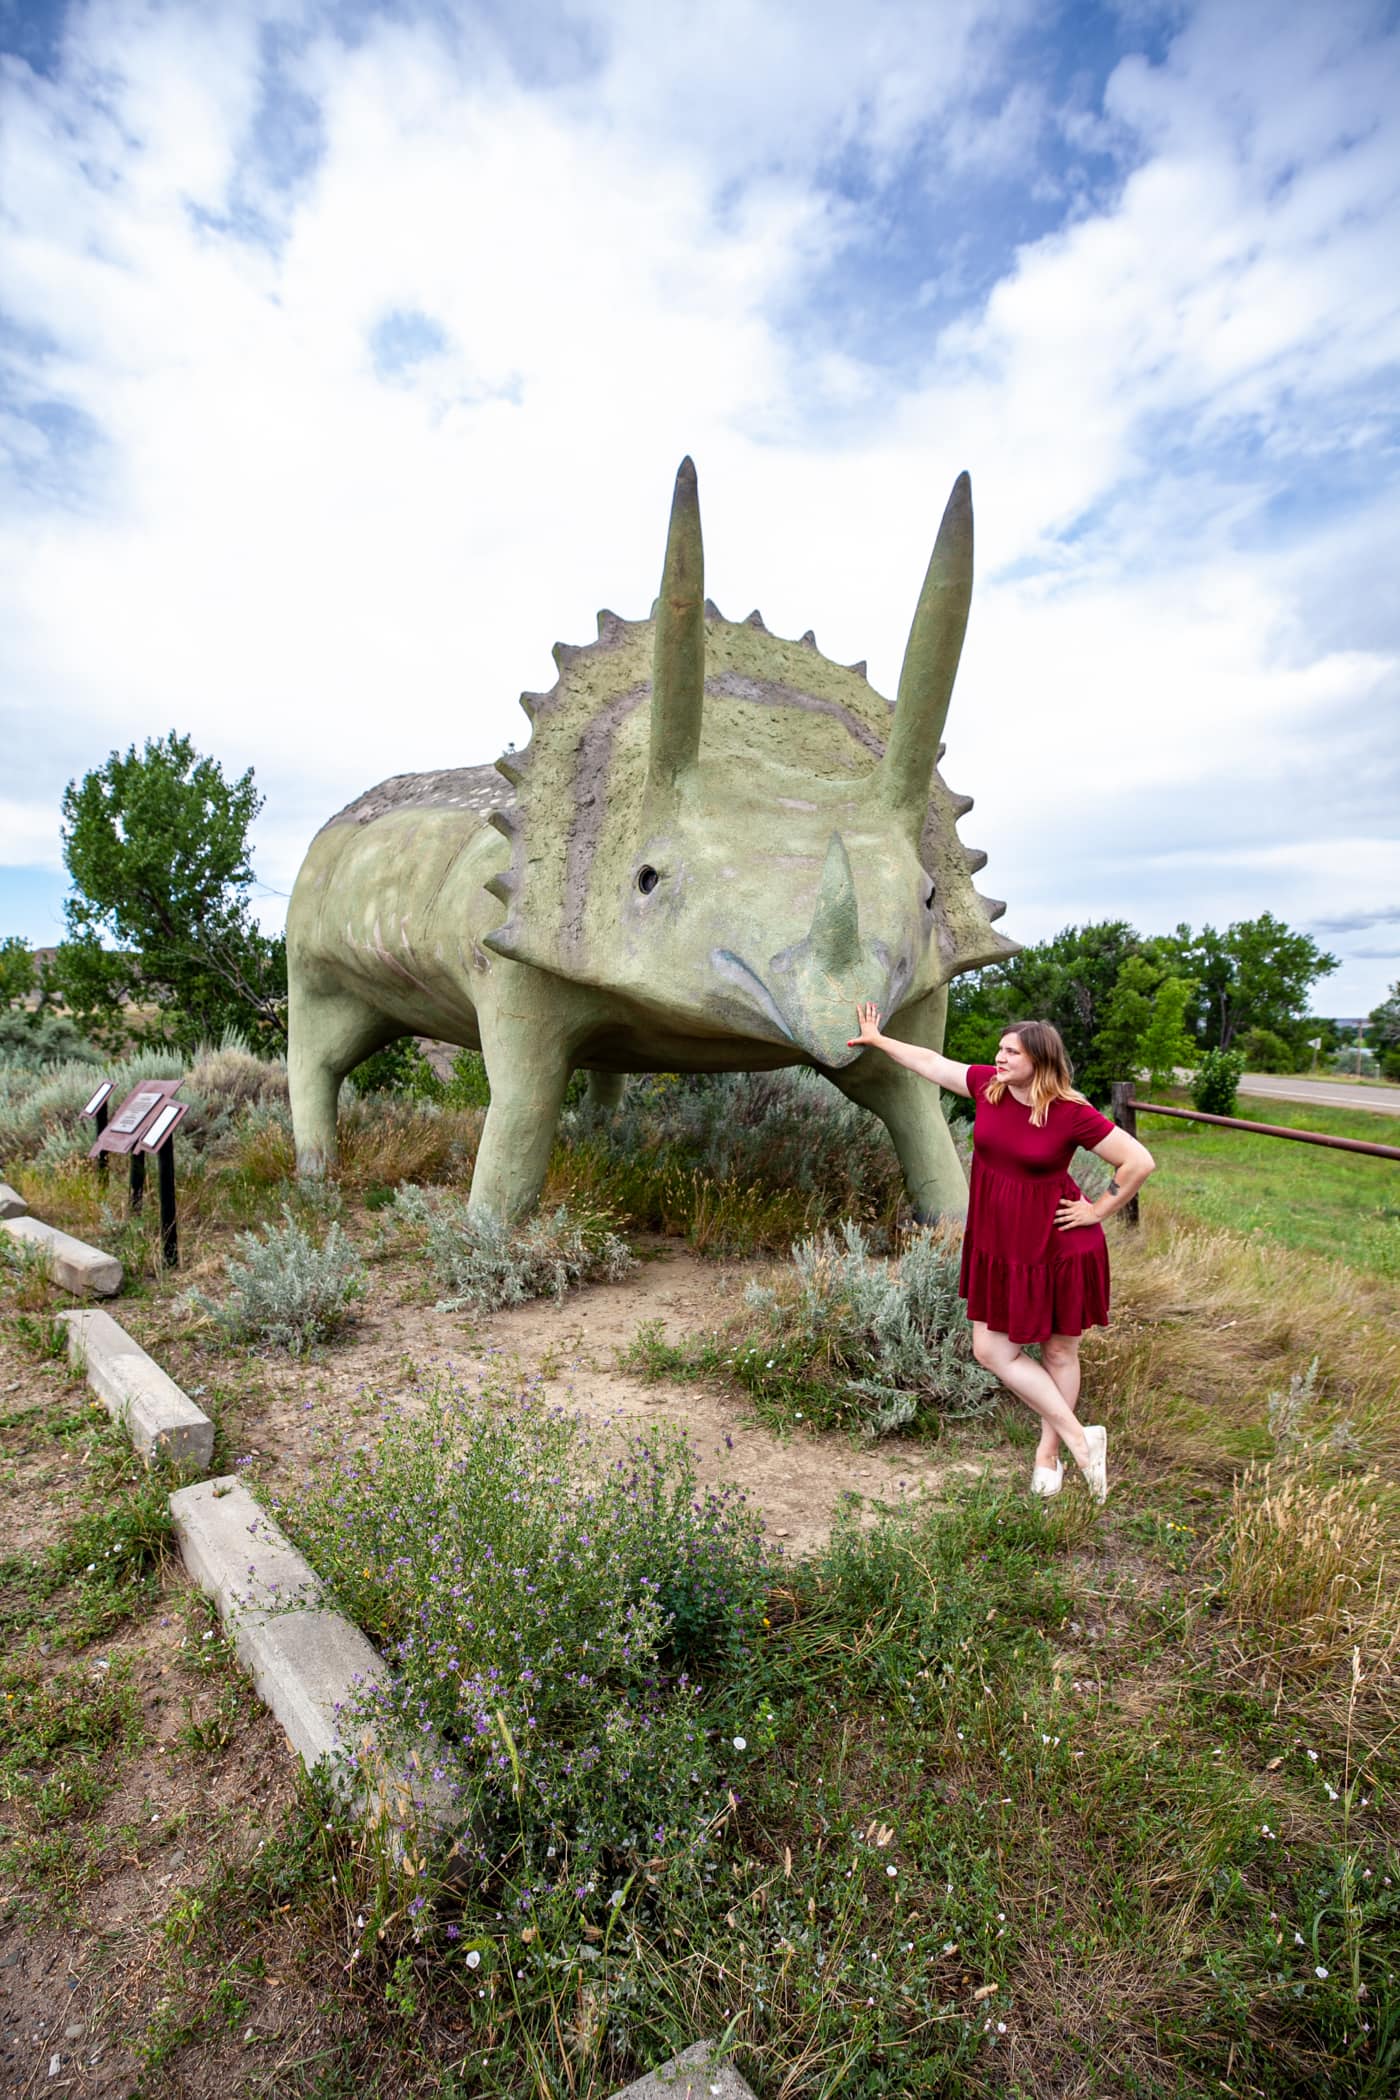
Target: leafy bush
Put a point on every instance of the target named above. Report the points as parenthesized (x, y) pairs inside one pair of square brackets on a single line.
[(741, 1162), (1215, 1084), (575, 1629), (1263, 1051), (287, 1290), (866, 1344), (486, 1264), (39, 1040), (399, 1068)]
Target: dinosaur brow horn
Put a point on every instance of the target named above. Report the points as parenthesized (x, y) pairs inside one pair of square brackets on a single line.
[(930, 661), (678, 665)]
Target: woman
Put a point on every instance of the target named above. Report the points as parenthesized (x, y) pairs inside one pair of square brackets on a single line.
[(1035, 1263)]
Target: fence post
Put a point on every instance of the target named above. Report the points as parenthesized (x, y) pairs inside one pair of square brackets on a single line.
[(1125, 1116)]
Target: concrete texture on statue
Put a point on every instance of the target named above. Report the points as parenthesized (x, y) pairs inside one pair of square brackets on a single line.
[(716, 842), (12, 1204), (84, 1270), (161, 1420), (689, 2076)]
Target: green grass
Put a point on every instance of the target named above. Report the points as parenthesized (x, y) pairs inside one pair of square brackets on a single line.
[(1339, 1205)]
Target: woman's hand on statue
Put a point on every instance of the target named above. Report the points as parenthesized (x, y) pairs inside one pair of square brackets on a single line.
[(868, 1015), (1074, 1211)]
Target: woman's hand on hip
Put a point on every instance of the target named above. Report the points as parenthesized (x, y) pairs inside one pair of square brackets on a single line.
[(1075, 1211)]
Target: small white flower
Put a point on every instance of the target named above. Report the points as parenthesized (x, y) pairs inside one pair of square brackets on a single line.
[(616, 1898), (473, 1958), (892, 1871), (741, 1742), (1320, 1971), (1313, 1755), (1298, 1940)]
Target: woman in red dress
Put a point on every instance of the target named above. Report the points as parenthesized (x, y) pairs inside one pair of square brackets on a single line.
[(1035, 1263)]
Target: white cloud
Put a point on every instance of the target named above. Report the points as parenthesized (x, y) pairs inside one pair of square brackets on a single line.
[(28, 836)]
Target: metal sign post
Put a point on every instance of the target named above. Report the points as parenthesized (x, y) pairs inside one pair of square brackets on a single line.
[(160, 1139)]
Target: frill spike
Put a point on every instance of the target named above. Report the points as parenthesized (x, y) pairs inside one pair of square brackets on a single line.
[(860, 667), (501, 887), (808, 640), (503, 820), (678, 657), (755, 619), (564, 653), (974, 859), (994, 907), (961, 803), (930, 661), (512, 768)]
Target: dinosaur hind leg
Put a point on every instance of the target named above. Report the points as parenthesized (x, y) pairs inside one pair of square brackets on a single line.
[(328, 1033), (605, 1091)]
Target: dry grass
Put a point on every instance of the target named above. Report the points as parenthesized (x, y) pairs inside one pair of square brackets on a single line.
[(1208, 1323), (1305, 1566)]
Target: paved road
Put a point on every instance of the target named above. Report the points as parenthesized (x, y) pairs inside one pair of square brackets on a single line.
[(1293, 1086)]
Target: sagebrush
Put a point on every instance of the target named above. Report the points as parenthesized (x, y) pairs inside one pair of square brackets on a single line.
[(289, 1290), (485, 1263)]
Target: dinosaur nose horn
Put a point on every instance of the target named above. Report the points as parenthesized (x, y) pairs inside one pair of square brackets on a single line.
[(835, 934)]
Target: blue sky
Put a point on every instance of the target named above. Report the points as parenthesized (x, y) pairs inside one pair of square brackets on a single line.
[(347, 352)]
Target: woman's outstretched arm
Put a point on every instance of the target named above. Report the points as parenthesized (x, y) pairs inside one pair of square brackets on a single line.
[(929, 1064)]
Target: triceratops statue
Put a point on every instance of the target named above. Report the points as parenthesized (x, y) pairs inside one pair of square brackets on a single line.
[(716, 842)]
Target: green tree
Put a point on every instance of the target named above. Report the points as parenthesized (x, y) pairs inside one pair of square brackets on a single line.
[(1383, 1027), (156, 844), (18, 977), (1165, 1044), (1127, 1016), (1068, 980), (1257, 974)]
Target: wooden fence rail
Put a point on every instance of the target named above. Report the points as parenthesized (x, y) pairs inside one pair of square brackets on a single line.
[(1126, 1108)]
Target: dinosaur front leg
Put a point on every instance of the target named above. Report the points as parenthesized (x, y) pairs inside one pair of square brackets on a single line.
[(909, 1108), (527, 1063)]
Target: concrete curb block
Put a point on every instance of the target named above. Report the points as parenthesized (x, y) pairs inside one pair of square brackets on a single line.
[(307, 1662), (689, 2076), (161, 1421), (12, 1204), (84, 1270)]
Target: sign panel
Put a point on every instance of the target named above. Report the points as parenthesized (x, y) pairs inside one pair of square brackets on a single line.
[(135, 1109), (164, 1125), (135, 1116), (98, 1098)]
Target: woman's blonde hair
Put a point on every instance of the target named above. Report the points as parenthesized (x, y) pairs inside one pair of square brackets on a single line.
[(1053, 1076)]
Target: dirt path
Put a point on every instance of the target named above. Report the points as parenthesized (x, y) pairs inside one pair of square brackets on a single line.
[(798, 1482)]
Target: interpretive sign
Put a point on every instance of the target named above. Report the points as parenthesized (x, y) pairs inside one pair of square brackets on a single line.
[(146, 1122), (140, 1108)]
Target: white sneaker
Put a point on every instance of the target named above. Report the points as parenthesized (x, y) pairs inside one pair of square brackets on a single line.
[(1095, 1467), (1048, 1480)]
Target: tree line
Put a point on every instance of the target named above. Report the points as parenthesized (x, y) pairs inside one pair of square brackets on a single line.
[(162, 944)]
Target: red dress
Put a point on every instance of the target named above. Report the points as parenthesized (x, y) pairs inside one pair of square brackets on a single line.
[(1020, 1273)]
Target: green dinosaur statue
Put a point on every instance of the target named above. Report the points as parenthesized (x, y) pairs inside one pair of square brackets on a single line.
[(716, 842)]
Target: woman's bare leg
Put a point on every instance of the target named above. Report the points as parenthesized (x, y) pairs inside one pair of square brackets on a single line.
[(1060, 1356), (1030, 1382)]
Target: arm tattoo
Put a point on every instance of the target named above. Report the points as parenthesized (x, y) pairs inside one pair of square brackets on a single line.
[(1113, 1185)]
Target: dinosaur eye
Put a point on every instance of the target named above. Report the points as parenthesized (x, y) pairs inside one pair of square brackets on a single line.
[(647, 879)]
